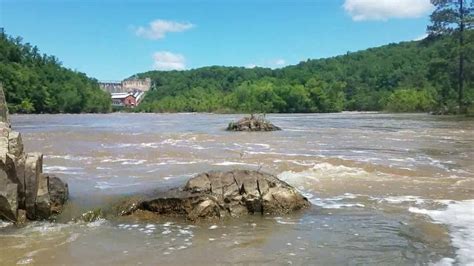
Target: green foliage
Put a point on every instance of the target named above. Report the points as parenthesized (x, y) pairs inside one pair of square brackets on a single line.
[(410, 100), (415, 76), (448, 16), (455, 17), (37, 83), (26, 107), (369, 80)]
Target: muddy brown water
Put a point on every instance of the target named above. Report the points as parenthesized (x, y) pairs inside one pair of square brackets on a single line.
[(386, 189)]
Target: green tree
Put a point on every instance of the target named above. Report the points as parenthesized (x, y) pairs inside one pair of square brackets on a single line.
[(26, 106), (454, 16)]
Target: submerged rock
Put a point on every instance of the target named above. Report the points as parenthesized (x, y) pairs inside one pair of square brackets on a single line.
[(25, 192), (252, 123), (225, 194), (90, 216)]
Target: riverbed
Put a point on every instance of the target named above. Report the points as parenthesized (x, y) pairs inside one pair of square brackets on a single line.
[(391, 189)]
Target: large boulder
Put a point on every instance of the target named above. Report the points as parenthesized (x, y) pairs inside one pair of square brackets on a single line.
[(8, 198), (226, 194), (252, 123)]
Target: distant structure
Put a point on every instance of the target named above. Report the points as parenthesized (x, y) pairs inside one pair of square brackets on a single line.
[(127, 99), (126, 85), (126, 93)]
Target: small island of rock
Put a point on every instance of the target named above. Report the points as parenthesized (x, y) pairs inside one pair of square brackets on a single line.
[(252, 123), (224, 194)]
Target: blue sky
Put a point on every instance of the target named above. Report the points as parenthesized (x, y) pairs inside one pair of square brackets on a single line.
[(112, 40)]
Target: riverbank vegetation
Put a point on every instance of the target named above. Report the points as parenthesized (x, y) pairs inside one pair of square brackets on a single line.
[(38, 83)]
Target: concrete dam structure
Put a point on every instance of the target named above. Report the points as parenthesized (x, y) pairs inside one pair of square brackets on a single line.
[(125, 86)]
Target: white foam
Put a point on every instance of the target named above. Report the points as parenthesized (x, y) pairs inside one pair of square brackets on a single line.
[(25, 261), (444, 262), (4, 224), (68, 157), (459, 217), (103, 185), (322, 170), (402, 199), (59, 168), (226, 163), (133, 162)]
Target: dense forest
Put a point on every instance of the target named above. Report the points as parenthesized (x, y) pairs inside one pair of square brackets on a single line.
[(37, 83), (415, 76)]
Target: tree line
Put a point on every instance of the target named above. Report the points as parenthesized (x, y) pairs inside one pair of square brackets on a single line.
[(416, 76), (37, 83), (434, 74)]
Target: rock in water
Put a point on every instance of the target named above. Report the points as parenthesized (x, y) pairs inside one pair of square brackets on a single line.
[(58, 193), (227, 194), (24, 190), (252, 123)]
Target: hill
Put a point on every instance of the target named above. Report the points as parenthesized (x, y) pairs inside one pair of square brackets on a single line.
[(414, 76), (37, 83)]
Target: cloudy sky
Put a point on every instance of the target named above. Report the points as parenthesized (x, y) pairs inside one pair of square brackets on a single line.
[(111, 40)]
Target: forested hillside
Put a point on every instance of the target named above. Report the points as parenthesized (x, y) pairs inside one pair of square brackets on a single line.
[(37, 83), (414, 76)]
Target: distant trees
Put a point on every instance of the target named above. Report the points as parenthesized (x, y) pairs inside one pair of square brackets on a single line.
[(405, 77), (454, 17), (37, 83)]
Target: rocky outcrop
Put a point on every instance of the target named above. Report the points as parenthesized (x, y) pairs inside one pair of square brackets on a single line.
[(25, 192), (252, 123), (225, 194)]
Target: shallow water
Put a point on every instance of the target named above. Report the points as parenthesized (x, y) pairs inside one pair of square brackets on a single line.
[(386, 189)]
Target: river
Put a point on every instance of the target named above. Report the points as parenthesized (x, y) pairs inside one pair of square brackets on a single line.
[(394, 189)]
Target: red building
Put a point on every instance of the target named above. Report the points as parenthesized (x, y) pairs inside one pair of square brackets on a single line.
[(128, 99)]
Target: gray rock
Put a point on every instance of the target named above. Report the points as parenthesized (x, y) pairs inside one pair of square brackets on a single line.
[(19, 164), (9, 202), (3, 107), (24, 191), (252, 123), (33, 169), (8, 196), (15, 144), (42, 204), (58, 193), (21, 219), (226, 194)]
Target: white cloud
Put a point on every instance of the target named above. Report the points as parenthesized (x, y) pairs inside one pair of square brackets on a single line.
[(421, 37), (158, 29), (165, 60), (276, 63), (279, 62), (386, 9)]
